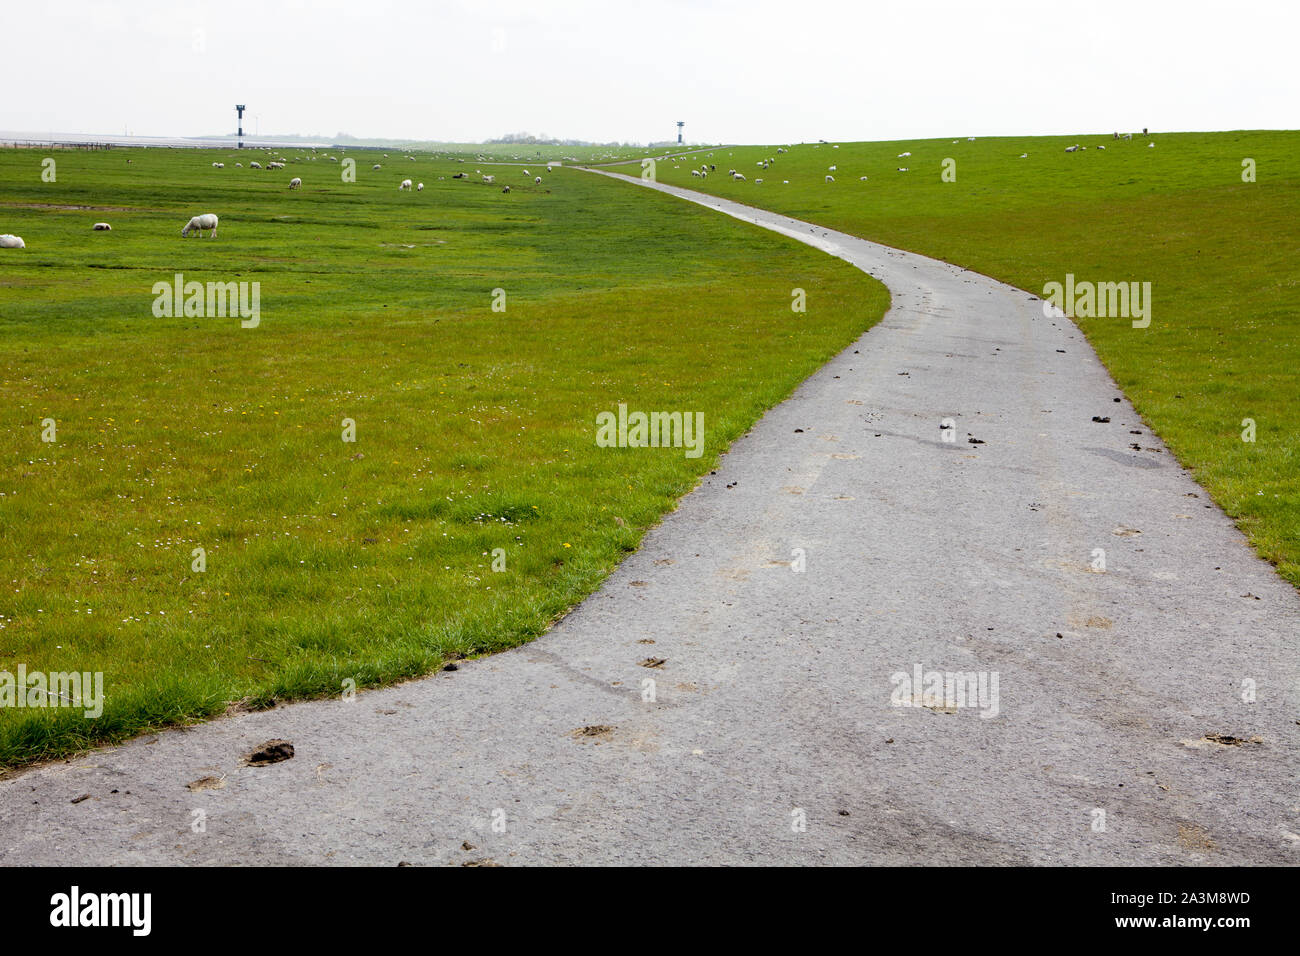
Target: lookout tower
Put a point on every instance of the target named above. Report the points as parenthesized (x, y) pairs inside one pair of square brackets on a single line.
[(240, 110), (680, 124)]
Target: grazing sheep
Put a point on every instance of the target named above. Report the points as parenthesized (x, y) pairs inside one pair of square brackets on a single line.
[(537, 180), (739, 177), (902, 169), (903, 155), (1024, 155), (101, 227), (696, 173), (505, 189), (239, 165), (254, 165), (295, 183), (831, 169), (458, 176), (419, 187), (205, 221), (8, 241), (830, 179), (525, 172), (1101, 147), (377, 166), (1151, 145), (489, 179), (862, 179), (405, 184), (758, 182), (1071, 149)]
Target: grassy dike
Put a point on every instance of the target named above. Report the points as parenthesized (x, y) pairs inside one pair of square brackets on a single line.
[(1223, 345), (324, 560)]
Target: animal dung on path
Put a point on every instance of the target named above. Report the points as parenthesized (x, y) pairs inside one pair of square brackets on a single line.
[(273, 751)]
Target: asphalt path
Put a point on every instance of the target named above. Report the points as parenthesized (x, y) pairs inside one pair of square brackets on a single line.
[(1143, 711)]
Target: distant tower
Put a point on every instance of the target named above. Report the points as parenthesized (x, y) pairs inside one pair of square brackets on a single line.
[(240, 110), (679, 132)]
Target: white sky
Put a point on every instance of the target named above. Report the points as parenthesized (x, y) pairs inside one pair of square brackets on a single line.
[(734, 70)]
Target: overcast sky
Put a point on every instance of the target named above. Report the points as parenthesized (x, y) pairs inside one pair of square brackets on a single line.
[(733, 70)]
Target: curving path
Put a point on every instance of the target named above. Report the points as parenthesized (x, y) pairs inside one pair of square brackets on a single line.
[(773, 706)]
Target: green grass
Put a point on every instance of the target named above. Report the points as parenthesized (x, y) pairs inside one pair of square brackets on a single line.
[(475, 430), (1224, 340)]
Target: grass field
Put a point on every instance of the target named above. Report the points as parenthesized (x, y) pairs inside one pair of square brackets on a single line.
[(327, 560), (1224, 340)]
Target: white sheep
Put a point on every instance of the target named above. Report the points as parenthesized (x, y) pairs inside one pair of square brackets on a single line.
[(1151, 145), (1024, 155), (254, 165), (829, 178), (404, 184), (695, 173), (831, 169), (295, 183), (903, 155), (758, 182), (376, 166), (1071, 149), (205, 221), (101, 227), (739, 177), (419, 187), (489, 179), (902, 169), (8, 241), (862, 179), (537, 180)]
